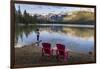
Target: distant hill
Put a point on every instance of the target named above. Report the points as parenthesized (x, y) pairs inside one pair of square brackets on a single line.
[(80, 17)]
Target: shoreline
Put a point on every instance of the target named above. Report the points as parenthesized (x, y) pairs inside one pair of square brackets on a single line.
[(32, 55)]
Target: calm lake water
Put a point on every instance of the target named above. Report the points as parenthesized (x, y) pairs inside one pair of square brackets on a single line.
[(78, 39)]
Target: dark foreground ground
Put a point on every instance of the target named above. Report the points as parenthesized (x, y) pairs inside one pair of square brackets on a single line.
[(30, 56)]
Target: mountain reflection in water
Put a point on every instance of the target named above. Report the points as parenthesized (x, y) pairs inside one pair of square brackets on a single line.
[(75, 39)]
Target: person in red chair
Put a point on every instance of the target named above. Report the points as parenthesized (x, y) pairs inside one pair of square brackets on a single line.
[(46, 50), (61, 52)]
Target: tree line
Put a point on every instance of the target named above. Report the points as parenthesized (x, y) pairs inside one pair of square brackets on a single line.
[(24, 18)]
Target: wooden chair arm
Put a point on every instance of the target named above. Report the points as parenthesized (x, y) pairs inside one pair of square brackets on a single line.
[(61, 50)]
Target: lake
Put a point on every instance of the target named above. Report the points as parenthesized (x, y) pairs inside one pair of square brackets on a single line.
[(76, 38)]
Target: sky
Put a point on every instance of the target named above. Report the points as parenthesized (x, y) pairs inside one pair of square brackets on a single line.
[(45, 9)]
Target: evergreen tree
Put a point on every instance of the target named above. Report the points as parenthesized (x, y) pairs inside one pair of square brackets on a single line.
[(26, 18), (19, 15)]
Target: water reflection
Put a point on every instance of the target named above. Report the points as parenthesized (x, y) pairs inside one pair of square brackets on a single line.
[(75, 39)]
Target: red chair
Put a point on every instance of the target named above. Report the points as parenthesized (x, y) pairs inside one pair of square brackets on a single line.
[(60, 52), (46, 50)]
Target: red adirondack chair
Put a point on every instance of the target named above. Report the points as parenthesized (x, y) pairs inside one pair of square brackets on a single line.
[(60, 52), (46, 50)]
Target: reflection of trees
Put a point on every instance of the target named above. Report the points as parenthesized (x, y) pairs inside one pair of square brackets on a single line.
[(20, 30), (21, 37), (57, 28), (80, 32), (26, 30)]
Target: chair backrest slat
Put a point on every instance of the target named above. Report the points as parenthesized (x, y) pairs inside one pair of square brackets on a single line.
[(61, 49), (46, 47)]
